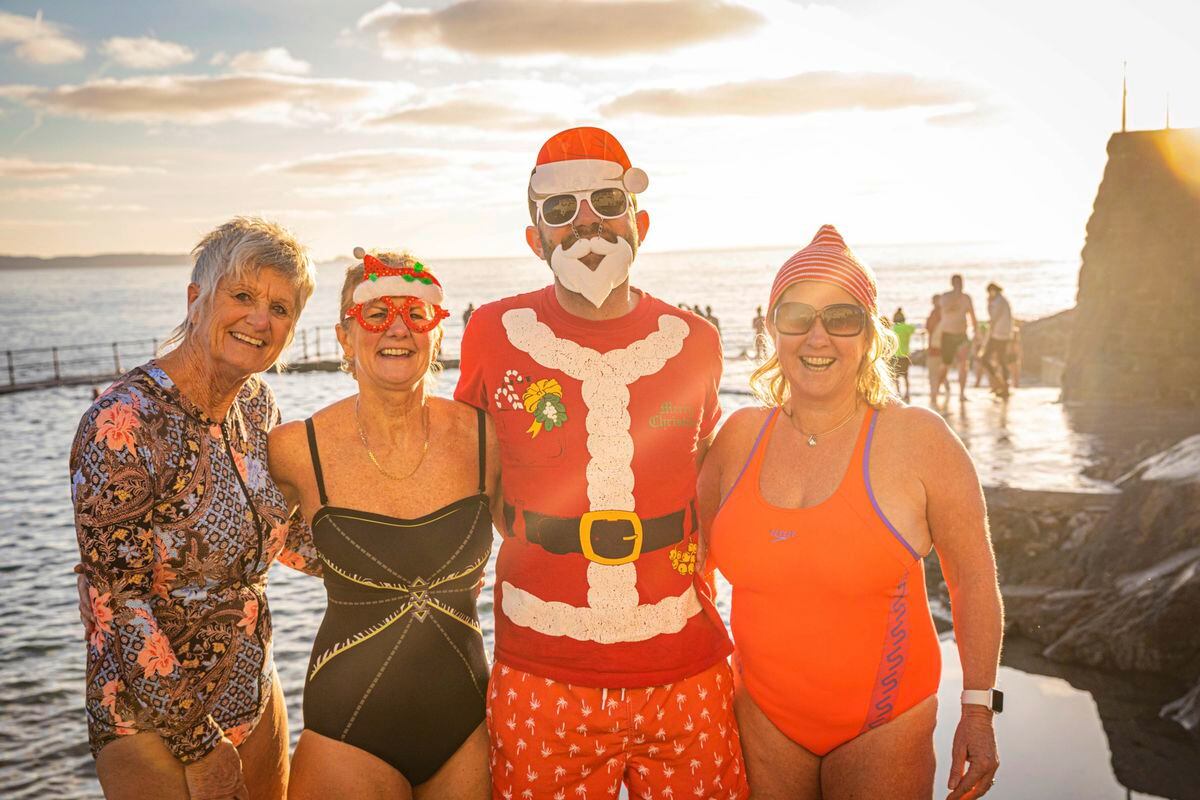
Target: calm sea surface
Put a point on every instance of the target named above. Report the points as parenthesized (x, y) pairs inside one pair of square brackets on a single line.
[(1055, 740)]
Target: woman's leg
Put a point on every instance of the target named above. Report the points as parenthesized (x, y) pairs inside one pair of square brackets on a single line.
[(776, 767), (265, 751), (324, 768), (465, 775), (895, 760), (140, 766)]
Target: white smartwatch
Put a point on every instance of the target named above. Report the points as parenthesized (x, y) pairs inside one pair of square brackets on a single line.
[(993, 699)]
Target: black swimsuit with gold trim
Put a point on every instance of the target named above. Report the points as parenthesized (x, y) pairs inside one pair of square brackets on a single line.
[(398, 667)]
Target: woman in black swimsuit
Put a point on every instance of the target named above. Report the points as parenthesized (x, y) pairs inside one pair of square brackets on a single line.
[(396, 485)]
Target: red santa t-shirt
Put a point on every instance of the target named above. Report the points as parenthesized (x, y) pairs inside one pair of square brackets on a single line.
[(598, 423)]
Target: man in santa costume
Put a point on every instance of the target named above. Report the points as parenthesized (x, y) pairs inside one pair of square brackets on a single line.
[(610, 656)]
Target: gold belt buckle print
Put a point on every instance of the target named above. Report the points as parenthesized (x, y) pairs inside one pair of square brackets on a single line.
[(585, 535)]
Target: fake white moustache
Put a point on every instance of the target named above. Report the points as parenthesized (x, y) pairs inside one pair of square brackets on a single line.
[(595, 285)]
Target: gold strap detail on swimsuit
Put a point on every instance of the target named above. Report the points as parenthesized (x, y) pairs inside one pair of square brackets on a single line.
[(357, 639), (416, 599)]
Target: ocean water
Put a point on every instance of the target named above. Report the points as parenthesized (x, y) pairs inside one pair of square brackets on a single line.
[(1054, 740), (43, 308)]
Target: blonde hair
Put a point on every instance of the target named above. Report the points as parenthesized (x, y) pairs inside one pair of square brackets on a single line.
[(875, 384), (240, 247), (354, 276)]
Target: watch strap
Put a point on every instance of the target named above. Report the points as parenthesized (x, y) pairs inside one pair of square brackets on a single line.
[(992, 699)]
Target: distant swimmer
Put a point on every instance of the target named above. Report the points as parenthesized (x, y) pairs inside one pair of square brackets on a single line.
[(901, 361), (956, 307), (759, 325), (995, 356)]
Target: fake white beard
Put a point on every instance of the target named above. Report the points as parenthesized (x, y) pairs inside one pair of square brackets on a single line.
[(595, 285)]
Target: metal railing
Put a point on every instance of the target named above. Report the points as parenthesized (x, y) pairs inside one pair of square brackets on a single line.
[(99, 362)]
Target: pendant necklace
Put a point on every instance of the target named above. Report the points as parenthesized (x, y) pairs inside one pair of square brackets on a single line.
[(362, 435), (811, 438)]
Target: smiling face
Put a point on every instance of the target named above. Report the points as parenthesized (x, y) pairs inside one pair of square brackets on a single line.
[(247, 322), (396, 358), (819, 367)]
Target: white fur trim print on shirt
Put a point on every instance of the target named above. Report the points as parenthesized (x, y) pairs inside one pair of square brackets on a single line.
[(612, 613)]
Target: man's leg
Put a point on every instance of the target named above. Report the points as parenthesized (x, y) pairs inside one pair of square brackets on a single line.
[(551, 739), (684, 737)]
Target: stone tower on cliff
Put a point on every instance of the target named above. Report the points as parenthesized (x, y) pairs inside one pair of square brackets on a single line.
[(1136, 338)]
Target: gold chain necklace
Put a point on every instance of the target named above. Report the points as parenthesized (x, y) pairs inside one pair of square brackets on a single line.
[(812, 437), (362, 435)]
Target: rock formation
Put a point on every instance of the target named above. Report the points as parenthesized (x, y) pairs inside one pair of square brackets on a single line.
[(1134, 338), (1110, 580)]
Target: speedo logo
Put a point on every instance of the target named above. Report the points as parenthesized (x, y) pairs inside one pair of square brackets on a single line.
[(778, 535)]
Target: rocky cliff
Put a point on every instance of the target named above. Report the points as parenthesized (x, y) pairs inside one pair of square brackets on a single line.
[(1134, 339), (1110, 580)]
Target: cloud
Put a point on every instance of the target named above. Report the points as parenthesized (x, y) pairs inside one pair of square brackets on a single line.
[(806, 93), (56, 192), (27, 169), (118, 208), (467, 113), (200, 100), (39, 41), (360, 164), (274, 59), (571, 27), (145, 52)]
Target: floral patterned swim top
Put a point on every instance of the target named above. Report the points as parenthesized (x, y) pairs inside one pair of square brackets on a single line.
[(178, 521)]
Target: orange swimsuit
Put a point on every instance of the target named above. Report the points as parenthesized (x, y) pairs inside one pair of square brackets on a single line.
[(830, 620)]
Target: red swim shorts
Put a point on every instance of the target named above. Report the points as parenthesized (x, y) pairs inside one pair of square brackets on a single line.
[(559, 741)]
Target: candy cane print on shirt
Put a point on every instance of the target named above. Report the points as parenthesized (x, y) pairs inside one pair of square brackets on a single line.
[(612, 614)]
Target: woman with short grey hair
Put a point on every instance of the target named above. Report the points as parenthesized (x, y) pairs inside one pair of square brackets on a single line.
[(178, 520)]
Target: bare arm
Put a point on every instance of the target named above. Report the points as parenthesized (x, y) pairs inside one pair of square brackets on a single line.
[(971, 314), (958, 524), (287, 455)]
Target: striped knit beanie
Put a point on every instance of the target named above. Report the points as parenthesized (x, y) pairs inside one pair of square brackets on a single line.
[(827, 258)]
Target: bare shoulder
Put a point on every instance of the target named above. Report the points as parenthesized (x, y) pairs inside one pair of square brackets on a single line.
[(738, 432), (461, 417), (287, 443), (286, 435), (923, 440), (914, 426)]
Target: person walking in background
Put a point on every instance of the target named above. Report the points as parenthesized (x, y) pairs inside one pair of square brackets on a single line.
[(712, 318), (820, 510), (957, 308), (901, 361), (977, 347), (178, 521), (467, 312), (995, 357), (611, 659), (934, 364), (759, 326)]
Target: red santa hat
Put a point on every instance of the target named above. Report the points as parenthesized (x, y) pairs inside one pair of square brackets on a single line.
[(581, 159)]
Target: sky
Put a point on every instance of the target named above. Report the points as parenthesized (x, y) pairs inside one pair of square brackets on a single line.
[(138, 126)]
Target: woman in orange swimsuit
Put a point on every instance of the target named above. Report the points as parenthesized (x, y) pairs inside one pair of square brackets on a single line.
[(819, 510)]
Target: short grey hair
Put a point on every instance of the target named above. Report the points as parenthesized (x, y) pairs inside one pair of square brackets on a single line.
[(240, 247)]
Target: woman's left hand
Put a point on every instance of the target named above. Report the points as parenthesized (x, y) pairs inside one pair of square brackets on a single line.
[(974, 744)]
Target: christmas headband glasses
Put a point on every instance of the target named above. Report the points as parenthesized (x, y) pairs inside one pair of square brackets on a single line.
[(419, 293)]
